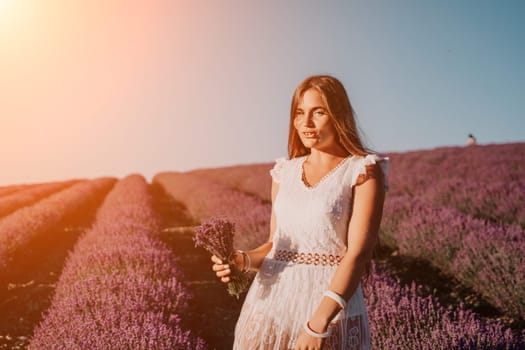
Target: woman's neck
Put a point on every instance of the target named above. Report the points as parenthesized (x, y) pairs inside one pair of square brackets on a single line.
[(326, 157)]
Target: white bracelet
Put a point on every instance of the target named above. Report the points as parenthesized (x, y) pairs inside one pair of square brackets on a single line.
[(335, 297), (315, 334)]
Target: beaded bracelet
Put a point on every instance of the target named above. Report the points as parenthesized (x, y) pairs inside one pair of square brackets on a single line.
[(335, 297), (315, 334)]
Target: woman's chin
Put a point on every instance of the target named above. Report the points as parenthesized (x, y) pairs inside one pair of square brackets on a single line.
[(309, 143)]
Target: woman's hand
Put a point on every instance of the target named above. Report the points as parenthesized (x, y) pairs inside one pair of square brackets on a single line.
[(308, 342), (222, 270)]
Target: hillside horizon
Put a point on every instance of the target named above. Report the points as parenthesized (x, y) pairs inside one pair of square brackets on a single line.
[(231, 166)]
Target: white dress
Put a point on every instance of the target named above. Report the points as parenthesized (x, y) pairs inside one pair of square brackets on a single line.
[(309, 240)]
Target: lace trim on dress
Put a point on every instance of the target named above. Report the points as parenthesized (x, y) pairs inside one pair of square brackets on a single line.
[(384, 163), (277, 172), (267, 333), (309, 186), (308, 258)]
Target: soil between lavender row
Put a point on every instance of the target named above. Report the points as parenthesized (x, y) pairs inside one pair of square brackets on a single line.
[(213, 312)]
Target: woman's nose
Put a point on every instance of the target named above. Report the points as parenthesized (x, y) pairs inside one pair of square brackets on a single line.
[(308, 121)]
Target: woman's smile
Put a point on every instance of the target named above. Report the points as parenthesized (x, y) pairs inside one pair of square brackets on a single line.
[(310, 134)]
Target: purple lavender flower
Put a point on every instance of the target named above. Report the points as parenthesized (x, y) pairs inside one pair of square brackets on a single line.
[(216, 236)]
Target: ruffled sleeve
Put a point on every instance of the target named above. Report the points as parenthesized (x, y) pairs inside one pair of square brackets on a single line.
[(277, 172), (384, 163)]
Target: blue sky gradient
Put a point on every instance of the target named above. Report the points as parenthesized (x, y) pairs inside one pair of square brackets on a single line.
[(150, 86)]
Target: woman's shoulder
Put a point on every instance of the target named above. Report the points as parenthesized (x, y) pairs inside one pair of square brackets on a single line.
[(283, 166), (370, 159), (369, 165)]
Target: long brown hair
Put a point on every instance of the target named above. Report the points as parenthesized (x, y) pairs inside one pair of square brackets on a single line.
[(340, 110), (342, 116)]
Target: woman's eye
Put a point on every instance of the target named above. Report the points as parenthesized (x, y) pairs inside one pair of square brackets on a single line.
[(319, 113)]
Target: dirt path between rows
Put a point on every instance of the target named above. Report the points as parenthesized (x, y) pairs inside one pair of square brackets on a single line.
[(213, 312)]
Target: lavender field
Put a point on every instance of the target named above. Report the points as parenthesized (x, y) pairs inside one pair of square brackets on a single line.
[(110, 264)]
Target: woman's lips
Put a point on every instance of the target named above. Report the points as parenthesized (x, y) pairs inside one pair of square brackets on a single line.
[(310, 135)]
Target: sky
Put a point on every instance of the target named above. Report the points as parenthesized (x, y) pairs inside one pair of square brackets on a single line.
[(114, 87)]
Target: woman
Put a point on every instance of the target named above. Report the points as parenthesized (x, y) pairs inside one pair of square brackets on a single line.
[(327, 202)]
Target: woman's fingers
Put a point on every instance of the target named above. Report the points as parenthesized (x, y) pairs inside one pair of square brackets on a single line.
[(223, 273), (220, 267), (221, 270), (215, 259)]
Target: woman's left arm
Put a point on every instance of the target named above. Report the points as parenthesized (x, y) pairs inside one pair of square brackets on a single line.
[(363, 229)]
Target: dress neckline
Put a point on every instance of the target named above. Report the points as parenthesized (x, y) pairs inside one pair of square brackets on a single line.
[(327, 175)]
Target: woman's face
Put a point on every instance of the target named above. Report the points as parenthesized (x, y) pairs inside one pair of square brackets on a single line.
[(313, 123)]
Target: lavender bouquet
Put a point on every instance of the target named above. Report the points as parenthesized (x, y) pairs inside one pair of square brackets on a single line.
[(216, 236)]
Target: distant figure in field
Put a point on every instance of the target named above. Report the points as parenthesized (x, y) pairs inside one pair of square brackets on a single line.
[(327, 202), (471, 140)]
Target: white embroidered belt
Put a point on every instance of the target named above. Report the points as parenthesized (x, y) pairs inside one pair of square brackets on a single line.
[(308, 258)]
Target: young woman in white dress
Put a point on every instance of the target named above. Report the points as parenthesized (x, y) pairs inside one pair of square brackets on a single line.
[(327, 203)]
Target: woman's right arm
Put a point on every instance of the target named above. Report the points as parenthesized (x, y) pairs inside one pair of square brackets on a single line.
[(256, 255)]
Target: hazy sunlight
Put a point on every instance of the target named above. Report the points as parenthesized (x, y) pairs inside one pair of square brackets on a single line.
[(12, 12), (6, 7)]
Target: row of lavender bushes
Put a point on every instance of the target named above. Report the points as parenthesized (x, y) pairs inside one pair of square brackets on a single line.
[(485, 256), (484, 181), (9, 189), (252, 179), (204, 199), (13, 201), (121, 287), (25, 224), (461, 209), (499, 201), (400, 318)]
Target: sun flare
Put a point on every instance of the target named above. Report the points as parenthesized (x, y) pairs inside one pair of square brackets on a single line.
[(5, 5), (7, 11)]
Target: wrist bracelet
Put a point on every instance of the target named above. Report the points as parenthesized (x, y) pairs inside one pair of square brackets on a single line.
[(246, 259), (315, 334), (249, 264), (335, 297)]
